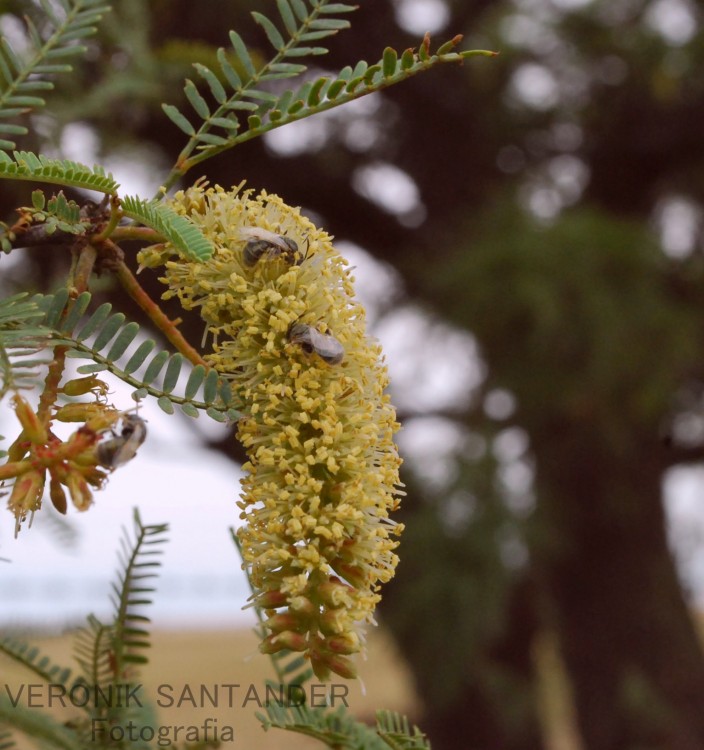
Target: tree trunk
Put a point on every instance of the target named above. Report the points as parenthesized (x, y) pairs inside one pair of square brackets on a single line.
[(627, 636)]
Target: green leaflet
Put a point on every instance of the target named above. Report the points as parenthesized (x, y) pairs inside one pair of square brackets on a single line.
[(396, 731), (105, 339), (178, 230), (303, 22), (24, 165), (22, 339)]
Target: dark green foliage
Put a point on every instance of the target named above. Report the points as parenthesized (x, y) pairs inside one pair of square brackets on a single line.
[(46, 57), (337, 729), (33, 660), (76, 311), (264, 110)]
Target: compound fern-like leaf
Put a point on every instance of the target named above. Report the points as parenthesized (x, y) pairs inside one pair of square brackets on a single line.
[(22, 340), (92, 651), (334, 728), (251, 111), (303, 22), (37, 724), (178, 230), (24, 165), (395, 730), (31, 658), (6, 740), (105, 338), (139, 562), (57, 213)]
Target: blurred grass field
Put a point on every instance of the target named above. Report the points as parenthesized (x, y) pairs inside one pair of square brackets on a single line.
[(194, 658)]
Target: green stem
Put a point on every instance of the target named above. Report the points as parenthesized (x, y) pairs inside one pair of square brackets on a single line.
[(141, 234), (115, 216), (187, 161)]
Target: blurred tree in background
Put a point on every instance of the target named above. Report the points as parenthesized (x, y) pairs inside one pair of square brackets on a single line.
[(549, 203)]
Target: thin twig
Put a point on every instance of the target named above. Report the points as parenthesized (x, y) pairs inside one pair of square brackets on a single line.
[(155, 314)]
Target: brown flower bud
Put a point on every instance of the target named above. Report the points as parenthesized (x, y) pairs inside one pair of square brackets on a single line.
[(284, 621), (33, 429), (288, 640), (341, 665), (81, 495), (346, 643), (14, 469), (269, 600), (79, 386), (27, 493), (79, 412), (57, 495)]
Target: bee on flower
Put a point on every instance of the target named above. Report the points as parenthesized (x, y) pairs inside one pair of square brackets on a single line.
[(322, 471)]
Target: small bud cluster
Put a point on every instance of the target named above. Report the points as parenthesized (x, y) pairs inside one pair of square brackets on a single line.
[(322, 475), (70, 465)]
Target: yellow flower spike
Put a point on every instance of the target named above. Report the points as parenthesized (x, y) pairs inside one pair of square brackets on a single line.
[(287, 640), (287, 332)]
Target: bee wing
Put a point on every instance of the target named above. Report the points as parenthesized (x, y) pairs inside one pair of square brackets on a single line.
[(327, 347), (257, 233)]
